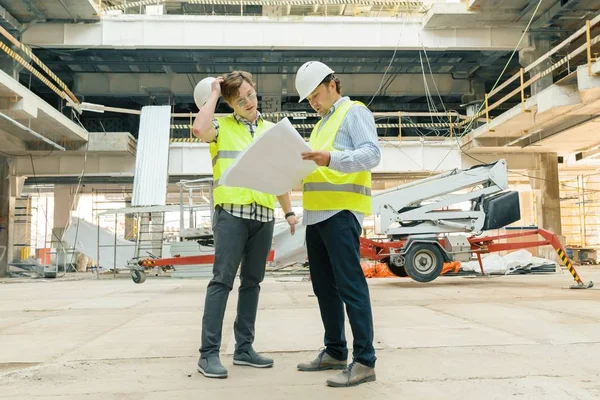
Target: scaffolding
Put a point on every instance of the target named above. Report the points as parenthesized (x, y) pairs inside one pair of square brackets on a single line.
[(580, 207)]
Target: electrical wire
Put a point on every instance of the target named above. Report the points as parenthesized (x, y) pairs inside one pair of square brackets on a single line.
[(390, 63), (469, 126), (508, 62), (432, 108)]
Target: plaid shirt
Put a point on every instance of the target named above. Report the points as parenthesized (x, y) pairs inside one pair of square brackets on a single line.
[(252, 211)]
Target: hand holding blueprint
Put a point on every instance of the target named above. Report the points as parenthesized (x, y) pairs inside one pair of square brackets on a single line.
[(273, 163)]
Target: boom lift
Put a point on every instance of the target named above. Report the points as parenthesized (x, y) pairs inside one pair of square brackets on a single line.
[(423, 232)]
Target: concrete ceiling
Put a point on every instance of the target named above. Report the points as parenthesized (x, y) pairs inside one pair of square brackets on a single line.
[(553, 17), (473, 71), (28, 11)]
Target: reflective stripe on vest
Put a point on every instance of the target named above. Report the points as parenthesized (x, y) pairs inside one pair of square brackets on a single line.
[(232, 140), (326, 189), (225, 154), (330, 187)]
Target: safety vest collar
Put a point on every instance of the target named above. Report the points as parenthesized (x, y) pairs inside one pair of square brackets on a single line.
[(324, 133)]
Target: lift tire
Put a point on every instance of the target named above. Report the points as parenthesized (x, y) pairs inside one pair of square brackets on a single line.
[(424, 262), (396, 270), (138, 276)]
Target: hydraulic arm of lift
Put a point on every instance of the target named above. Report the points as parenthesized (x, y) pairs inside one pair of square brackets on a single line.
[(421, 207)]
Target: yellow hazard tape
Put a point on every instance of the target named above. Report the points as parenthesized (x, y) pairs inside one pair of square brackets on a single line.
[(568, 264), (34, 71), (185, 140), (307, 126), (134, 4), (413, 4), (39, 62)]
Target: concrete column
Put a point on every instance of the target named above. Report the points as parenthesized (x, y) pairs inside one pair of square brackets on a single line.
[(7, 206), (546, 187), (537, 48), (63, 200), (546, 191)]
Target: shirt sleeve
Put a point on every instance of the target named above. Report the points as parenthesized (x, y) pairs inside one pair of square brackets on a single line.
[(366, 155)]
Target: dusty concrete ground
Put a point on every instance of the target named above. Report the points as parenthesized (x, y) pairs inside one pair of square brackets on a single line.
[(504, 337)]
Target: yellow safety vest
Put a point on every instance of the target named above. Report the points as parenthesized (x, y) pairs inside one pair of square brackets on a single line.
[(233, 138), (326, 189)]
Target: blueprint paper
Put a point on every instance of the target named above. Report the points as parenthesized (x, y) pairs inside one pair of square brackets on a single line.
[(289, 249), (273, 163)]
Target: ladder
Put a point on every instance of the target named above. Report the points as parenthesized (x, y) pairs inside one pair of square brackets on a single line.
[(150, 234)]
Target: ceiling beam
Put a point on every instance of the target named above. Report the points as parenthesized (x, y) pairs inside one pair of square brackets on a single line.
[(8, 21), (225, 32), (39, 15), (530, 6), (435, 61), (545, 20), (120, 85)]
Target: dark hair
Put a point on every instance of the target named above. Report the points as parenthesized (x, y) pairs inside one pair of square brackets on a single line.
[(338, 84), (232, 81)]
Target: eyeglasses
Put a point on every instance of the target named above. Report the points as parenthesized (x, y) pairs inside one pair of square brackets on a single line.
[(243, 102)]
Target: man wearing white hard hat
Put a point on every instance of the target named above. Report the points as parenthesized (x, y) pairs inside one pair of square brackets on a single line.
[(336, 197), (243, 220)]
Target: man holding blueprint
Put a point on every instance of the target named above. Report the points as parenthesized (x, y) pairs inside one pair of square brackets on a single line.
[(336, 196), (243, 220)]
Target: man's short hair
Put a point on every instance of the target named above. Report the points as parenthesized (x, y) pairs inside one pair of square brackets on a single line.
[(232, 81), (338, 84)]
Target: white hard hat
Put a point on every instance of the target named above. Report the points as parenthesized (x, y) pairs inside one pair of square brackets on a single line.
[(202, 91), (309, 76)]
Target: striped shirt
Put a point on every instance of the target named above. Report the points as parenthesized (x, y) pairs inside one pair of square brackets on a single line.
[(358, 147), (254, 210)]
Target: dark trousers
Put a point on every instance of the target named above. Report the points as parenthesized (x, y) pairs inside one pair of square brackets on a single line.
[(237, 241), (337, 278)]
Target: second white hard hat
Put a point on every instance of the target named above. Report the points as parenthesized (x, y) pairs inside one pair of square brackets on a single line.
[(309, 76), (202, 91)]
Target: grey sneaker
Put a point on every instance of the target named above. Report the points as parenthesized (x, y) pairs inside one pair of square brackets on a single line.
[(211, 367), (252, 359), (323, 362), (355, 374)]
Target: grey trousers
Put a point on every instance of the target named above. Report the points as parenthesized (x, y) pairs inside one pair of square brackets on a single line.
[(237, 240)]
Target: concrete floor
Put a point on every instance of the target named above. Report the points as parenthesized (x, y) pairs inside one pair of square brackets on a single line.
[(504, 337)]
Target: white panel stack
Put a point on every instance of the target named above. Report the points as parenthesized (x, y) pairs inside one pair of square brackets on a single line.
[(83, 236), (152, 157)]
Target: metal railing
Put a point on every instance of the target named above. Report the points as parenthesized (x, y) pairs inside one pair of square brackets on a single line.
[(184, 132), (523, 84)]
